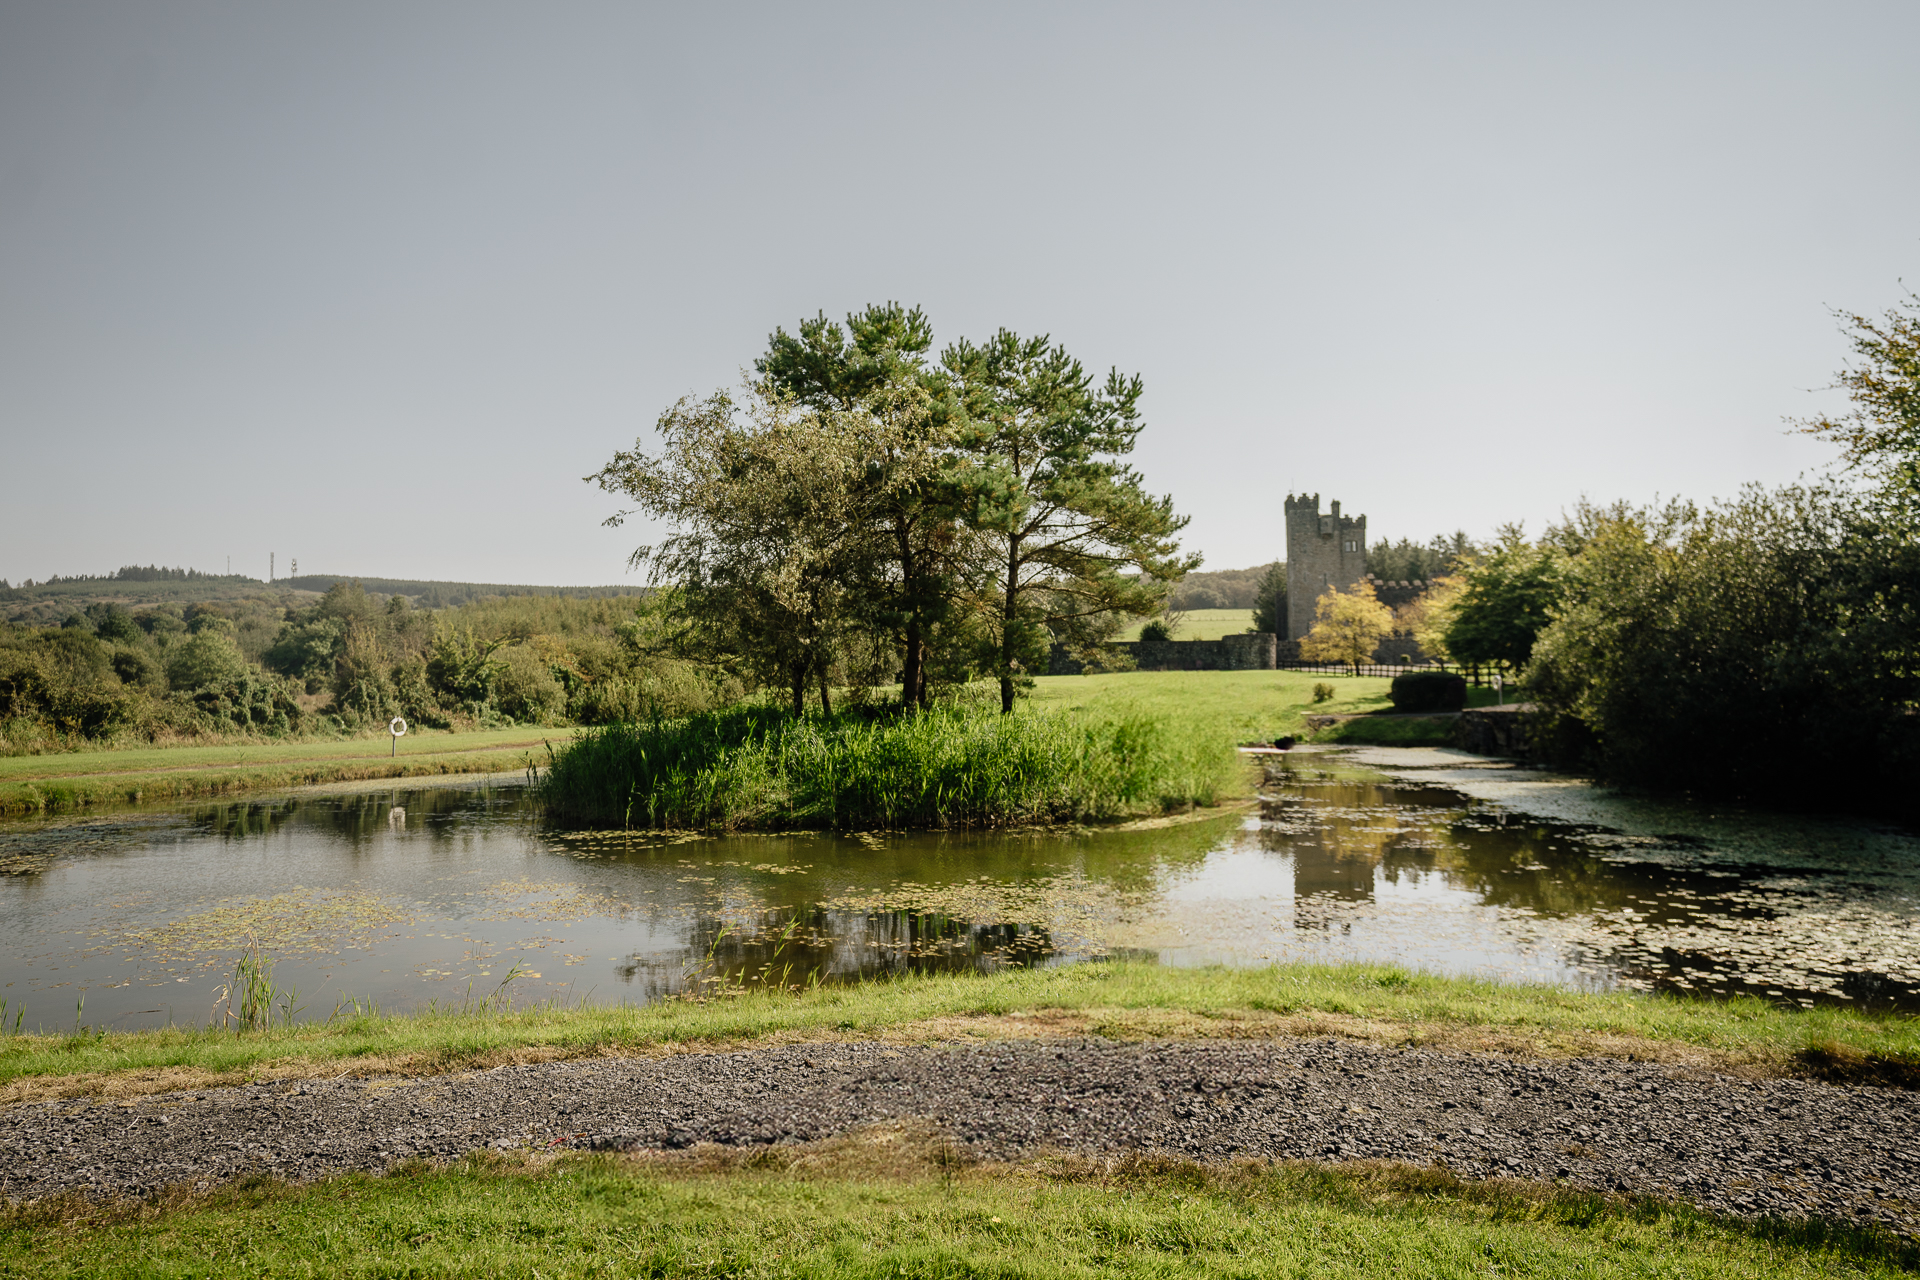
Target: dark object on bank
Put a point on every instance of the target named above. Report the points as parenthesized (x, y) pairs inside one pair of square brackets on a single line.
[(1429, 691), (1284, 744)]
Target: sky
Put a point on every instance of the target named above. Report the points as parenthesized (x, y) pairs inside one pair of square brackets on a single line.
[(374, 285)]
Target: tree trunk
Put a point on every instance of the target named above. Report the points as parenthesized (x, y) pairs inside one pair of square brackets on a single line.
[(911, 676), (826, 704), (913, 669), (1006, 626), (799, 690)]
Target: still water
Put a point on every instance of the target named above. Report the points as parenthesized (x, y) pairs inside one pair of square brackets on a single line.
[(1425, 858)]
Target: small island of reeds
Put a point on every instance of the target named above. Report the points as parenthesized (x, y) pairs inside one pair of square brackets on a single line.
[(751, 767)]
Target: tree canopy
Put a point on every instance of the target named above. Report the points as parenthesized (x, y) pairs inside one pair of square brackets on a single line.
[(1348, 626), (1880, 435), (1061, 515), (859, 499)]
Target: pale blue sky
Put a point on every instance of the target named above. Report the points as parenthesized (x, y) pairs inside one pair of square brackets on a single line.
[(374, 285)]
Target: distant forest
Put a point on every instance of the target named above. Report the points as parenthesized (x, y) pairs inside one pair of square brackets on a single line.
[(1402, 561), (446, 595), (53, 598)]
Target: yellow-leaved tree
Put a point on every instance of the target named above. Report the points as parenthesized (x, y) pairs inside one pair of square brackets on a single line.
[(1348, 626)]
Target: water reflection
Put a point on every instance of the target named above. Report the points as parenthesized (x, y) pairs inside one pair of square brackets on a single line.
[(418, 895)]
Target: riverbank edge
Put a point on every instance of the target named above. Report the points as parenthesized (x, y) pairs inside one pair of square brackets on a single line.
[(82, 792), (1115, 1000)]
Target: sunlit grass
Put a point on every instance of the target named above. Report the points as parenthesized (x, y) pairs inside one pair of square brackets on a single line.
[(1118, 999), (897, 1202), (1241, 706), (1201, 624)]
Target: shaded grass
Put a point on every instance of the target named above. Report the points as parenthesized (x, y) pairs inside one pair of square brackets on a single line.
[(1118, 999), (759, 767), (891, 1202), (1398, 731), (83, 779)]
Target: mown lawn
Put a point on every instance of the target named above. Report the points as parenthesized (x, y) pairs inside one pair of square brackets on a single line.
[(895, 1202), (1246, 706)]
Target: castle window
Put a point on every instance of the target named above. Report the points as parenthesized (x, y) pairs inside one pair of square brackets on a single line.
[(1352, 546)]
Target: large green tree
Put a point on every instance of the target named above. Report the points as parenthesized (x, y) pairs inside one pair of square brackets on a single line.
[(1504, 602), (1880, 435), (1071, 539), (876, 367), (767, 547)]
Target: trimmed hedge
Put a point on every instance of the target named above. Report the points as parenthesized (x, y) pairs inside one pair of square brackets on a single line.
[(1429, 691)]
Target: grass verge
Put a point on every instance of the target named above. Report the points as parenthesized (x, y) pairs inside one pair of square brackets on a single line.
[(1119, 1000), (84, 779), (759, 767), (896, 1202)]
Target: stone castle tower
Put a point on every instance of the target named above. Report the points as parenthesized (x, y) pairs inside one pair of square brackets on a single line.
[(1322, 551)]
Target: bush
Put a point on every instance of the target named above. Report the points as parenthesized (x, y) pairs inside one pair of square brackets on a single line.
[(1323, 692), (1156, 630), (1729, 650), (1429, 691), (525, 688)]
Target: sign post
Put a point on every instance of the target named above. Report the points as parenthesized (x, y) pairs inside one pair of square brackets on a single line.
[(398, 728)]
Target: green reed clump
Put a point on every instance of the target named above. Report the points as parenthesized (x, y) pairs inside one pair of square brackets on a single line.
[(756, 766)]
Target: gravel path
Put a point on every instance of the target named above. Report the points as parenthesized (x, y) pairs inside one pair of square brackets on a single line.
[(1738, 1146)]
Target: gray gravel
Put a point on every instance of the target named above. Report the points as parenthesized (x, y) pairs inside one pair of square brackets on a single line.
[(1738, 1146)]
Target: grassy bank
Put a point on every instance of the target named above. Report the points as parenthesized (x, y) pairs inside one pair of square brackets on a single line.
[(83, 779), (894, 1203), (757, 767), (1389, 731), (1117, 1000)]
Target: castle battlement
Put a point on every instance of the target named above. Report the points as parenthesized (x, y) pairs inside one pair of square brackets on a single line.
[(1323, 552)]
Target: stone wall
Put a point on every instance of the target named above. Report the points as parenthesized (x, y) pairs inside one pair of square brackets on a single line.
[(1496, 731), (1251, 651)]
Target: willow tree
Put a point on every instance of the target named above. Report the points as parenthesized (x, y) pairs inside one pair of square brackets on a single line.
[(1070, 538), (876, 369), (767, 549)]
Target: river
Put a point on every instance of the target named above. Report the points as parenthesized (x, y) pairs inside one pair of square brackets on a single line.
[(405, 897)]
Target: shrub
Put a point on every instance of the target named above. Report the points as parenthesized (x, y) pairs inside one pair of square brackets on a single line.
[(209, 660), (1429, 691), (1156, 630), (1323, 692), (525, 688)]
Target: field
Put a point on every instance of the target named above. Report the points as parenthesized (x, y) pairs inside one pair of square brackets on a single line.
[(83, 779), (1202, 624), (1243, 706)]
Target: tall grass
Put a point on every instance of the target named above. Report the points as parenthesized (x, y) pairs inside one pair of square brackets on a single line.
[(755, 766)]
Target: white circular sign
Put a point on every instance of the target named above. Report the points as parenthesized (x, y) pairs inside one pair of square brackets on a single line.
[(398, 727)]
